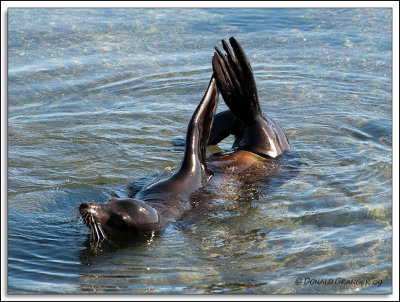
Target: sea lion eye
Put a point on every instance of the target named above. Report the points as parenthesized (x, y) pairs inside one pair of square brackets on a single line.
[(118, 219)]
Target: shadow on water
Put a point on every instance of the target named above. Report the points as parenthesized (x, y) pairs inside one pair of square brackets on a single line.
[(95, 248)]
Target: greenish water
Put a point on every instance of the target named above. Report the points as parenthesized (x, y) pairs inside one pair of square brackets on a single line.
[(97, 96)]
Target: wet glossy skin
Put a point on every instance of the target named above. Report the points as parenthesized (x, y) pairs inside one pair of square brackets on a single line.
[(240, 161)]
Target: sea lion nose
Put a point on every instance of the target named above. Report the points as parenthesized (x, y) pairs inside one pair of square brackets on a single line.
[(88, 207), (83, 206)]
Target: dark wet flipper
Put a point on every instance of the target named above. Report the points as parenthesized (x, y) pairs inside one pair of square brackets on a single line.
[(236, 82), (225, 124), (232, 60), (225, 85), (227, 49), (199, 130), (223, 79), (242, 59), (224, 74), (227, 68)]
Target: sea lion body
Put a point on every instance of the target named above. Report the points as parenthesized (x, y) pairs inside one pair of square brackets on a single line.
[(258, 138)]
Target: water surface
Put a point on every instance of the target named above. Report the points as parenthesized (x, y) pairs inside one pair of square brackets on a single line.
[(96, 98)]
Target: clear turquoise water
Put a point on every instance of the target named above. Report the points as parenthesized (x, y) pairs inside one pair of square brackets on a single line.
[(97, 96)]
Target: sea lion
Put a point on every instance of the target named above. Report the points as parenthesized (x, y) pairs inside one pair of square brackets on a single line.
[(167, 200), (258, 138)]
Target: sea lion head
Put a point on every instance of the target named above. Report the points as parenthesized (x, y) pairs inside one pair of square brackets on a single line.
[(119, 218)]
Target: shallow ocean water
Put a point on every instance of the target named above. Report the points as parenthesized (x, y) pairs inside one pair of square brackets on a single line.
[(97, 98)]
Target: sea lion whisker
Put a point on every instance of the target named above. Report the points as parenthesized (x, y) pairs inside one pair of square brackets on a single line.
[(88, 221), (85, 219), (102, 232), (73, 216), (94, 226), (97, 233), (99, 230)]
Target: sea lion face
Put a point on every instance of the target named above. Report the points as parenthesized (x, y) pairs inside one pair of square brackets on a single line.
[(119, 217)]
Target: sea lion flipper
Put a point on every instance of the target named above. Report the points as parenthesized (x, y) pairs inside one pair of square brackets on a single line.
[(199, 130), (225, 124), (235, 80)]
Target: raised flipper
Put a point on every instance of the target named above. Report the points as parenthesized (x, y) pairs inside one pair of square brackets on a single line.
[(235, 81), (199, 130), (193, 172)]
